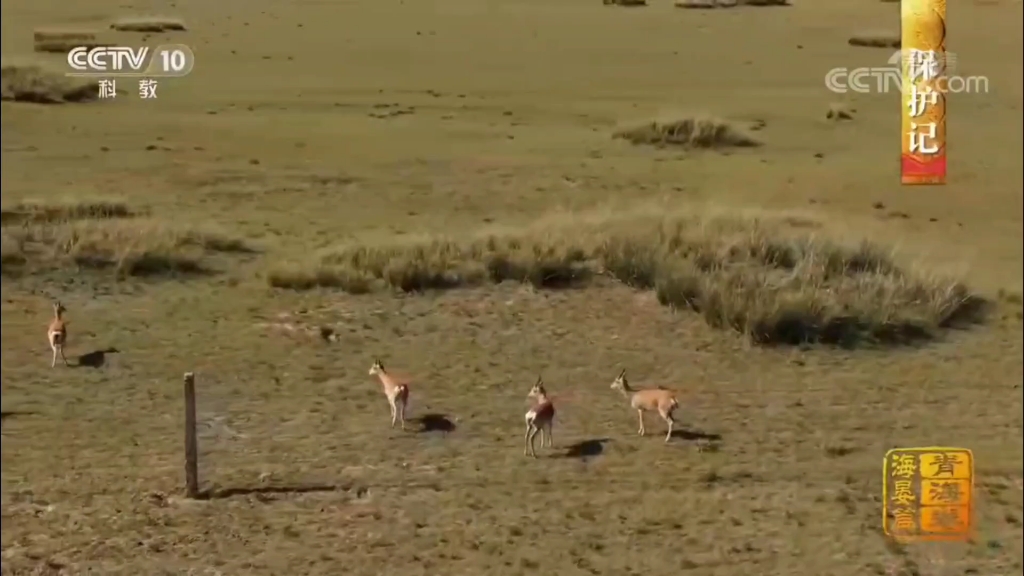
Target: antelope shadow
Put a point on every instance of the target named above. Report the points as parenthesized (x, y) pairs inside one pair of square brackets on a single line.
[(694, 434), (434, 422), (96, 358), (585, 449)]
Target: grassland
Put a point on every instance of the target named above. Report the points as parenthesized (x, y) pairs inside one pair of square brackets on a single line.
[(477, 193)]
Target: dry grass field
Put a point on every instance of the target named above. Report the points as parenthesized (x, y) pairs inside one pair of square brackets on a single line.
[(478, 192)]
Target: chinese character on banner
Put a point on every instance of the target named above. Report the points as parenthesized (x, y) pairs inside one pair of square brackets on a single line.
[(922, 138), (920, 99), (147, 89), (927, 493), (108, 88), (924, 65)]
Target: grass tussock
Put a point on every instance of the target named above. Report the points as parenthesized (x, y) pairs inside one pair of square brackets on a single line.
[(761, 278), (711, 4), (108, 236), (64, 211), (690, 132), (876, 40), (698, 4), (838, 112), (33, 82), (148, 24), (439, 264), (61, 41)]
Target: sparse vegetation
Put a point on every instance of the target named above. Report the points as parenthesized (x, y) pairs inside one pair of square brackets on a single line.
[(757, 277), (94, 235), (876, 40), (148, 24), (36, 83), (691, 132)]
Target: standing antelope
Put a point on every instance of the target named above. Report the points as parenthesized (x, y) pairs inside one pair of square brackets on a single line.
[(540, 418), (397, 394), (57, 334), (653, 399)]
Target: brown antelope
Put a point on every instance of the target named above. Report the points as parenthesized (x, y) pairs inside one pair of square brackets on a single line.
[(653, 399), (540, 418), (396, 393), (57, 333)]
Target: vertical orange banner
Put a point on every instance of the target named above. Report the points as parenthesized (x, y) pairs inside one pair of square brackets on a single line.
[(923, 44)]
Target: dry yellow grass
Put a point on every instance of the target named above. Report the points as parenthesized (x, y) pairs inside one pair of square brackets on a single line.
[(94, 235), (60, 40), (876, 39), (148, 24), (38, 83), (689, 132), (755, 276)]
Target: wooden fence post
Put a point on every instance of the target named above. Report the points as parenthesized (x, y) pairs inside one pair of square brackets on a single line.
[(191, 448)]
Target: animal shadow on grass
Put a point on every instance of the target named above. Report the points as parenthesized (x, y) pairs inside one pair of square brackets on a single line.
[(222, 493), (585, 449), (435, 423), (706, 441), (96, 358)]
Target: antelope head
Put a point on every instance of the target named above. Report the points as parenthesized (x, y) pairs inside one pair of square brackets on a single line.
[(377, 368)]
